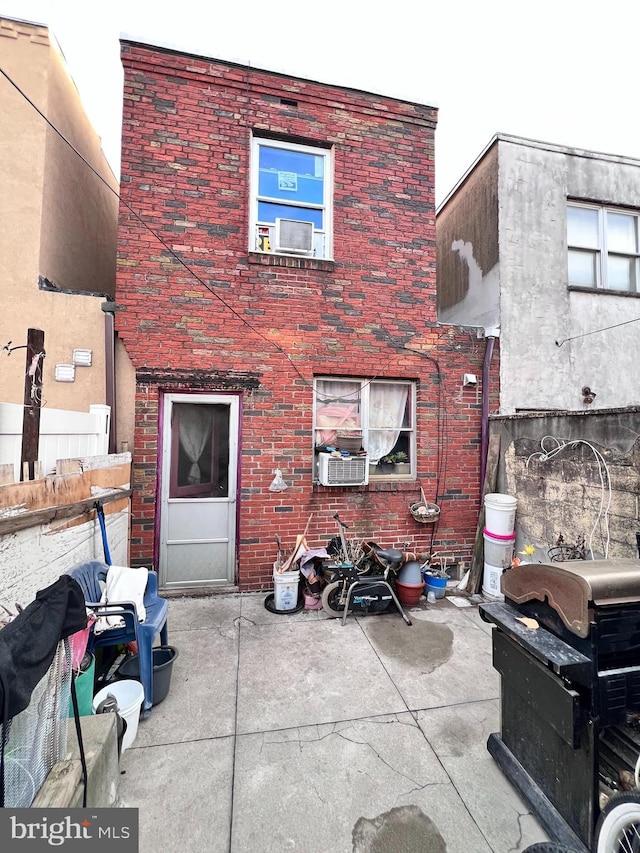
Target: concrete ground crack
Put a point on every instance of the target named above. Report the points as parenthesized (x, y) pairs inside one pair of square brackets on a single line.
[(318, 795), (328, 734), (379, 757), (342, 734), (411, 722), (416, 788), (521, 815)]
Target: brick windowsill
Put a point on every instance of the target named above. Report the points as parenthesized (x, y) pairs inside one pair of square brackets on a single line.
[(291, 261), (377, 486), (393, 486)]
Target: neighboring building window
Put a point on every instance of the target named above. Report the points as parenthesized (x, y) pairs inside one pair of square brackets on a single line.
[(603, 248), (382, 412), (291, 191)]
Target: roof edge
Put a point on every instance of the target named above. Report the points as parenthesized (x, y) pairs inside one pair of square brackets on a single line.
[(167, 47), (543, 146)]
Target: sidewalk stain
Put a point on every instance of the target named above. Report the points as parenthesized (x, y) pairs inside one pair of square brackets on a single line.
[(405, 829), (423, 645)]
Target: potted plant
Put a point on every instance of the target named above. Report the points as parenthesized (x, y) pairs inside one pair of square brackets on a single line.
[(402, 464), (393, 463), (387, 464)]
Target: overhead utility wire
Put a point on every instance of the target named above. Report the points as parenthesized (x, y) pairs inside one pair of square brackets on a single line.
[(596, 331), (441, 442), (151, 231), (171, 251), (160, 240)]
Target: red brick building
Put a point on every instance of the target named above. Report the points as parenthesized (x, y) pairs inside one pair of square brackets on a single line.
[(277, 293)]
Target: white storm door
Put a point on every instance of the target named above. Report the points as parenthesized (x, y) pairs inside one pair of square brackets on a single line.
[(199, 488)]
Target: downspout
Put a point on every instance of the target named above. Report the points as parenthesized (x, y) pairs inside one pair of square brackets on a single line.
[(484, 432), (109, 309)]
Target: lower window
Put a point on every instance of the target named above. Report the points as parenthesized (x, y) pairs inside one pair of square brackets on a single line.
[(378, 415)]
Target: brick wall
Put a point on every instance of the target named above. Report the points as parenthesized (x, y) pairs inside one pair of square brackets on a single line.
[(263, 326)]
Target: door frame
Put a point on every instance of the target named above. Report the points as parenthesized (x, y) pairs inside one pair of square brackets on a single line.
[(195, 397)]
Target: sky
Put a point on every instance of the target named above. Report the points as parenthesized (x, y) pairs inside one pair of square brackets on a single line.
[(559, 71)]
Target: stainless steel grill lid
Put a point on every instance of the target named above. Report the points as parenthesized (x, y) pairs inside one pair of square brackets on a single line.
[(573, 586)]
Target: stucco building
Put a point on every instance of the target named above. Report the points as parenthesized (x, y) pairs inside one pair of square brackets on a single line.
[(541, 242), (538, 248), (59, 224)]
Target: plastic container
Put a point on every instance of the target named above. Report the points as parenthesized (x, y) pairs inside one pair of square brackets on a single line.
[(410, 573), (409, 593), (498, 550), (349, 441), (500, 513), (491, 582), (129, 695), (285, 589), (435, 584), (163, 658), (84, 689)]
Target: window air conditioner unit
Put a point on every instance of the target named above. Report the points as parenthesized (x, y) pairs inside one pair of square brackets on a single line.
[(347, 471), (295, 236)]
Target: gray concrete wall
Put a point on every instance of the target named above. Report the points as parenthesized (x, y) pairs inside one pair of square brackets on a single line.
[(64, 788), (536, 307), (467, 249), (567, 492)]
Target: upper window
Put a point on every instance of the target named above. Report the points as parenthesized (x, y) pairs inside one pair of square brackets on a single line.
[(290, 199), (381, 413), (603, 248)]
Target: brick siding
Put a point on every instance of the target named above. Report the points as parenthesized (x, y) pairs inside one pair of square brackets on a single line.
[(271, 323)]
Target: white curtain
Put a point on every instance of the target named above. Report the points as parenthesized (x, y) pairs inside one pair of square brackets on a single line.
[(195, 429), (387, 405)]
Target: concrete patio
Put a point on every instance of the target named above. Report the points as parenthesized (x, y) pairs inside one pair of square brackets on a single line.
[(298, 733)]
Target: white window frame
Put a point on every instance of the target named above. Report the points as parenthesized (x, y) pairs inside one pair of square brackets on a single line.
[(601, 251), (323, 238), (365, 386)]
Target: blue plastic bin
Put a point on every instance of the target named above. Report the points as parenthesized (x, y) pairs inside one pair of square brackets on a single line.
[(436, 584)]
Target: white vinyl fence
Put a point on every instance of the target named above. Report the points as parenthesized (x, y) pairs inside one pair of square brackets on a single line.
[(63, 435)]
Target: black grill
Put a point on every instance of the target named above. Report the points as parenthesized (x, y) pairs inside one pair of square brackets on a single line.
[(570, 688)]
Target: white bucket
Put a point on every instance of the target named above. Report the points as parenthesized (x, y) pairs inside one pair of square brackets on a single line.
[(491, 582), (500, 513), (285, 588), (498, 550), (129, 695)]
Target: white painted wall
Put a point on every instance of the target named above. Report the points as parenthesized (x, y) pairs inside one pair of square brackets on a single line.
[(63, 435), (481, 304), (34, 558), (536, 307)]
